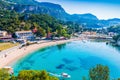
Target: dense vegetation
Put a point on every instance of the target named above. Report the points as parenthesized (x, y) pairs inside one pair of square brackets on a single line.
[(26, 75), (115, 29), (116, 38), (99, 72), (9, 21), (12, 21), (4, 5)]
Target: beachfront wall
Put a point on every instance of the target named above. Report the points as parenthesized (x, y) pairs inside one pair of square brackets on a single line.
[(6, 39), (27, 35)]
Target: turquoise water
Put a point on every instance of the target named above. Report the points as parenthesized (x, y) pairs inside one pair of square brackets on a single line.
[(74, 58)]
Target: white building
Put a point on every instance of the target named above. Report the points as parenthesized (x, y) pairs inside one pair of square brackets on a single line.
[(5, 37), (3, 33), (111, 34), (26, 35)]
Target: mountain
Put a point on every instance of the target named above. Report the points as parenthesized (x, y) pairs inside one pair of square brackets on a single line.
[(25, 2), (33, 7), (55, 10), (87, 16), (114, 21)]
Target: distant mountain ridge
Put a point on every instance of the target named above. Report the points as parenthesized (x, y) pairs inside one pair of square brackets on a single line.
[(55, 10), (25, 2)]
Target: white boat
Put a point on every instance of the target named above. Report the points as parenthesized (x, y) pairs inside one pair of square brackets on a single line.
[(65, 75), (57, 75)]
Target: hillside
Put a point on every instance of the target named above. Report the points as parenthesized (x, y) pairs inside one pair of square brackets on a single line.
[(115, 29), (4, 5), (26, 2), (54, 10)]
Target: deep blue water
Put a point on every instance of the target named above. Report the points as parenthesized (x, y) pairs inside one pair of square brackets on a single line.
[(74, 58)]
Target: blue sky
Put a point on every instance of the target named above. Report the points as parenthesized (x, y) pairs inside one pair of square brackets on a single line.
[(103, 9)]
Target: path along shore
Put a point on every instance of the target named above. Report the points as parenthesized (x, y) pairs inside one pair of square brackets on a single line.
[(17, 53)]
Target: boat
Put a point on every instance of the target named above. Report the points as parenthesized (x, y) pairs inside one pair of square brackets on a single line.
[(57, 75), (65, 75)]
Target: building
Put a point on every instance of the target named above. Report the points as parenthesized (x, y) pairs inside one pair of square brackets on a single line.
[(89, 33), (112, 34), (3, 33), (26, 35), (5, 37), (34, 30)]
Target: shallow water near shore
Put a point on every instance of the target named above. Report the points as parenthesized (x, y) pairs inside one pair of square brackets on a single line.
[(74, 58)]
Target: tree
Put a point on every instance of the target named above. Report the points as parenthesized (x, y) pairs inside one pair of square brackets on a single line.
[(118, 78), (115, 29), (48, 30), (64, 31), (27, 26), (99, 72), (44, 75), (115, 38), (4, 75), (40, 32), (13, 78), (59, 30), (25, 75), (67, 36), (34, 75)]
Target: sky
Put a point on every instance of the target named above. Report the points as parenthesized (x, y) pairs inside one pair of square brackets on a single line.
[(103, 9)]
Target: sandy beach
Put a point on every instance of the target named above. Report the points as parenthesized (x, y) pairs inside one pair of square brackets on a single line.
[(19, 53)]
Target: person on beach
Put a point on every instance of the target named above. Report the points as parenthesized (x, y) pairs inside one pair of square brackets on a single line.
[(5, 55), (25, 48)]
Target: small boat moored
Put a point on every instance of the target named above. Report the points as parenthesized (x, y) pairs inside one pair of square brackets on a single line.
[(65, 75)]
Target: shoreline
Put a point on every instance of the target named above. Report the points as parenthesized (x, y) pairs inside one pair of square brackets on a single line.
[(20, 53)]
